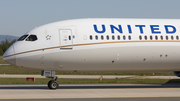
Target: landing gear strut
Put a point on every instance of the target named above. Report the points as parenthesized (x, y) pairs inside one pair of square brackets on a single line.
[(52, 84)]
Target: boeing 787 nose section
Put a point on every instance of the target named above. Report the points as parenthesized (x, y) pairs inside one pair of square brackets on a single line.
[(9, 56)]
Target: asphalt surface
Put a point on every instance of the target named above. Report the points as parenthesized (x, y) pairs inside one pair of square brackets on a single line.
[(91, 91), (102, 99), (1, 64)]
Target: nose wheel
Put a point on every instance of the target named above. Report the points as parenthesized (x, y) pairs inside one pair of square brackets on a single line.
[(53, 84)]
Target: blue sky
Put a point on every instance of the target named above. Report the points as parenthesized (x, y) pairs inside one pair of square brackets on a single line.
[(19, 16)]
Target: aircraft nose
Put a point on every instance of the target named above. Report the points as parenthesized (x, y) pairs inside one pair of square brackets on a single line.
[(9, 55)]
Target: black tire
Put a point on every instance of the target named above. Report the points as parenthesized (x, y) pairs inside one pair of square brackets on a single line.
[(53, 84)]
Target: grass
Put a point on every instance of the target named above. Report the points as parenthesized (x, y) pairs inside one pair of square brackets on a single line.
[(9, 69), (119, 73), (82, 81), (1, 60)]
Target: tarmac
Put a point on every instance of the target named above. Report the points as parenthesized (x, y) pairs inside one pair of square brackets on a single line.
[(89, 91), (1, 64)]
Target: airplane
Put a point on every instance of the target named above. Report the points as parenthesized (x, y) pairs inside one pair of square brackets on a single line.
[(99, 45)]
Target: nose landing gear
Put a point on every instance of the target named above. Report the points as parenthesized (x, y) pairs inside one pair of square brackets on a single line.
[(53, 84)]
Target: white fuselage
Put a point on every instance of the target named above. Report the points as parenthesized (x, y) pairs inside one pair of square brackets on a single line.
[(100, 45)]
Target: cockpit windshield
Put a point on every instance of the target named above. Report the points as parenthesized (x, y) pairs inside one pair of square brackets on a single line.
[(32, 38), (22, 38), (28, 38)]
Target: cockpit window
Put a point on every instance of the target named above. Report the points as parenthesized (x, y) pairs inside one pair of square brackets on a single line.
[(22, 38), (32, 38)]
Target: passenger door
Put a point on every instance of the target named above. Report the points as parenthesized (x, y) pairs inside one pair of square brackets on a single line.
[(65, 39)]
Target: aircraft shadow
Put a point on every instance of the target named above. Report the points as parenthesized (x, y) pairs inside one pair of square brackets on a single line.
[(174, 83), (26, 87), (169, 85)]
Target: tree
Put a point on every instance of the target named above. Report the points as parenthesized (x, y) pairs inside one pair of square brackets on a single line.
[(1, 52), (5, 45)]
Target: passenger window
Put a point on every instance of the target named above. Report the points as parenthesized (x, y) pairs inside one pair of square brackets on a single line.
[(145, 37), (96, 37), (22, 38), (118, 37), (172, 37), (161, 37), (151, 37), (107, 37), (129, 37), (113, 37), (166, 37), (32, 38), (90, 37), (140, 37), (156, 37), (102, 37), (124, 37), (177, 37)]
